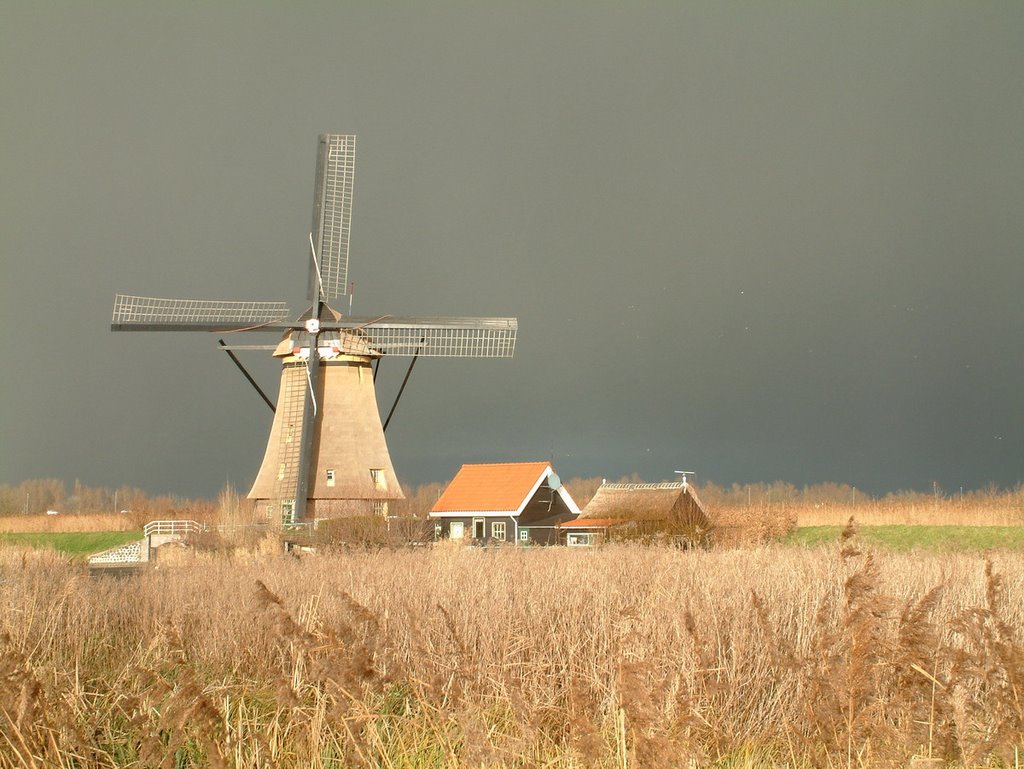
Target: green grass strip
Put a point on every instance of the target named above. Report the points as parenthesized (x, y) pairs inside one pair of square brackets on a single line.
[(79, 544), (903, 538)]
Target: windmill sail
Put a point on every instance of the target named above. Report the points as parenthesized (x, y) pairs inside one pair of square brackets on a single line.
[(439, 337), (332, 215), (147, 313)]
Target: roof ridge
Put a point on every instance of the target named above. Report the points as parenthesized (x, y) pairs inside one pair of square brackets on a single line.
[(502, 464), (638, 486)]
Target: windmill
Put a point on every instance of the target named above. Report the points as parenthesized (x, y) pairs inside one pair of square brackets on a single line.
[(326, 454)]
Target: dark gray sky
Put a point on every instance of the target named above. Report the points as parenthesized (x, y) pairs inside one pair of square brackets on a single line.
[(760, 241)]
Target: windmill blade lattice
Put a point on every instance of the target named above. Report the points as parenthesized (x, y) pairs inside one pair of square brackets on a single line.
[(440, 337), (332, 214), (148, 313)]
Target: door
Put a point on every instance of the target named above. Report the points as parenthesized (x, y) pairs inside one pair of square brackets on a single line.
[(478, 528)]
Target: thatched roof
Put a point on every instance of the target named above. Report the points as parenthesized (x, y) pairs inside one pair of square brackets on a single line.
[(669, 505)]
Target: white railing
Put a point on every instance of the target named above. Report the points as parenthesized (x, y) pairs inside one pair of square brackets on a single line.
[(264, 526), (173, 527)]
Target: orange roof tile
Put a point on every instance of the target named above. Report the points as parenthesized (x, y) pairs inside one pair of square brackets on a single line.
[(490, 487), (591, 523)]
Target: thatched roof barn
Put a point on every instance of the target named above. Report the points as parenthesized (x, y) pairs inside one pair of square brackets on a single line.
[(640, 510)]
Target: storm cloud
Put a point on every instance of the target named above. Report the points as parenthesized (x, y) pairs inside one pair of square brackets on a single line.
[(759, 241)]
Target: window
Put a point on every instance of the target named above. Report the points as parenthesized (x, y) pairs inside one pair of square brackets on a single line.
[(330, 478), (288, 512), (524, 535), (379, 481), (437, 530), (580, 539), (456, 529), (380, 507), (498, 530)]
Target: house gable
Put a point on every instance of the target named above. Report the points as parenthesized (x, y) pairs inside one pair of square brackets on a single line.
[(560, 493)]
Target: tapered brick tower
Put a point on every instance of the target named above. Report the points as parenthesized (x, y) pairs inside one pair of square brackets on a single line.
[(350, 470)]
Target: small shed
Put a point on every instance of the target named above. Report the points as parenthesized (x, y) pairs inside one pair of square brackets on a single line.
[(521, 502), (650, 511)]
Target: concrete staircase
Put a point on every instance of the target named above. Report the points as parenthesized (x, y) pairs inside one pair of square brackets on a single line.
[(131, 554), (134, 555)]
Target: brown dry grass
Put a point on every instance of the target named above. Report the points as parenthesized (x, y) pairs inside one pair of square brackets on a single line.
[(780, 517), (69, 523), (732, 526), (449, 657), (1003, 511), (832, 505)]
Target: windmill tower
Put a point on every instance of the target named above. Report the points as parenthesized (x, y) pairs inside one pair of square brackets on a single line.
[(326, 455)]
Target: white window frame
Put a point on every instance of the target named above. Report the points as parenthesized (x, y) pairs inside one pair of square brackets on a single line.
[(498, 529), (330, 478), (456, 526), (288, 512), (579, 539), (524, 535), (379, 481)]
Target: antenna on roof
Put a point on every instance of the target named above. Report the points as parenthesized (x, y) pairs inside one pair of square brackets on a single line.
[(554, 483), (685, 473)]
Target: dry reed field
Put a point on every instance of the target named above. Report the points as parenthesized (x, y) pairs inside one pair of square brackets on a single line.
[(777, 518), (832, 504), (68, 523), (622, 656), (1004, 511)]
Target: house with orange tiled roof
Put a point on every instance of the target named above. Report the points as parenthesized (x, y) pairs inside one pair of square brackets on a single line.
[(519, 502)]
